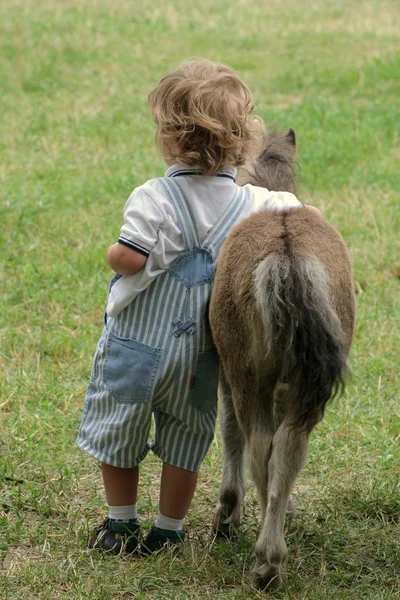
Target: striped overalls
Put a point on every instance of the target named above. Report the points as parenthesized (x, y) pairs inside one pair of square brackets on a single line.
[(156, 357)]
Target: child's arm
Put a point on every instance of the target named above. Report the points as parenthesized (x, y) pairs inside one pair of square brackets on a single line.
[(124, 260), (139, 233)]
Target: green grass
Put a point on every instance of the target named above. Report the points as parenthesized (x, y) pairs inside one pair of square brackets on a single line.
[(77, 137)]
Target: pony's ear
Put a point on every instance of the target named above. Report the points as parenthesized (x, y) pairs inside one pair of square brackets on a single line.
[(291, 136)]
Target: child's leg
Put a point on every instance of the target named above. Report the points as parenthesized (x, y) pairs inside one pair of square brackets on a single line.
[(177, 491), (120, 531), (191, 439), (176, 494), (121, 485)]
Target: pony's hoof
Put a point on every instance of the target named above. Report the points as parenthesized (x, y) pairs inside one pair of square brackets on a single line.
[(271, 580), (223, 527), (224, 531)]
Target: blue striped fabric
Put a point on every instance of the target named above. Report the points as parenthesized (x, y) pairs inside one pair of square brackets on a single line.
[(156, 357)]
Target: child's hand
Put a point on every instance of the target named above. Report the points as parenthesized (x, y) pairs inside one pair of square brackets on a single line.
[(313, 209), (124, 260)]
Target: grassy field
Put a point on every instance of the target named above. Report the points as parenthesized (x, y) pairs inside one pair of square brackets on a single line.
[(76, 139)]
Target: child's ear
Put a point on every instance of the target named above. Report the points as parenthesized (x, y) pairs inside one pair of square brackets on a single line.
[(291, 136)]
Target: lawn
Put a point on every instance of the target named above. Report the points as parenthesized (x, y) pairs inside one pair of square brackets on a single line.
[(76, 138)]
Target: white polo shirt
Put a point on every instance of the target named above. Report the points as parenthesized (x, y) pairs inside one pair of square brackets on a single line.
[(151, 226)]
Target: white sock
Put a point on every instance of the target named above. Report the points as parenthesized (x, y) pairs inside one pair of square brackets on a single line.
[(163, 522), (123, 513)]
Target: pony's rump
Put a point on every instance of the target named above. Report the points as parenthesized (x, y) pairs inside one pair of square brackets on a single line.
[(302, 330)]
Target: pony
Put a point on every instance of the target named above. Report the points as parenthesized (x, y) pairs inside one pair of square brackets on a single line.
[(282, 316)]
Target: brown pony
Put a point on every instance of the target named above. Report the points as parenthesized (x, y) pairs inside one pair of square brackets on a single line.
[(282, 314)]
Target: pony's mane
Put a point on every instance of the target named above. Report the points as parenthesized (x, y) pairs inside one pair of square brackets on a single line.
[(275, 167)]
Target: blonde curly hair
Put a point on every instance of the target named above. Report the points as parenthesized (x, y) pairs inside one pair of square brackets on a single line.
[(204, 117)]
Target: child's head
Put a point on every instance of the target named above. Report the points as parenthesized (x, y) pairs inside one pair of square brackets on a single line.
[(204, 117)]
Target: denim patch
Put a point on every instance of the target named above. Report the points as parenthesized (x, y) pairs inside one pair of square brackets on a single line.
[(130, 369), (204, 384), (194, 267)]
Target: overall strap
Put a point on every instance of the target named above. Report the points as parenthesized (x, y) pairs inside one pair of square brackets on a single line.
[(183, 211), (228, 219)]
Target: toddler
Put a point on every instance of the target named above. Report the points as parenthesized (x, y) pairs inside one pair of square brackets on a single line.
[(155, 358)]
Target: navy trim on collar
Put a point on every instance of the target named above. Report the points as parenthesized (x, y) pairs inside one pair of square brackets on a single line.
[(179, 173)]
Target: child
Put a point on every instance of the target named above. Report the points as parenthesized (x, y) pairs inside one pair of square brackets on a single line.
[(155, 357)]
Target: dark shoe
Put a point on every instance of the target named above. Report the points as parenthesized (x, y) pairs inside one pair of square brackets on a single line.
[(116, 537), (157, 539)]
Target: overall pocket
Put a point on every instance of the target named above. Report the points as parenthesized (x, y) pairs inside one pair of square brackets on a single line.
[(204, 395), (130, 369)]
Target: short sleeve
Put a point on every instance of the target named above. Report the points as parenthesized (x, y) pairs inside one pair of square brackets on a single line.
[(142, 221), (277, 201)]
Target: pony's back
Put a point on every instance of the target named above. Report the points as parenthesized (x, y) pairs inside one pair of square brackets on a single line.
[(297, 232)]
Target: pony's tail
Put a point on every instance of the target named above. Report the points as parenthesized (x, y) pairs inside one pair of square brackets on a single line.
[(303, 332)]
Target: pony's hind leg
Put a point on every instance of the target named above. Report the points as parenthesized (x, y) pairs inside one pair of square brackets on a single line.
[(259, 441), (232, 489), (288, 454)]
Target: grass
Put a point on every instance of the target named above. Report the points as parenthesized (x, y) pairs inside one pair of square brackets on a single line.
[(76, 139)]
